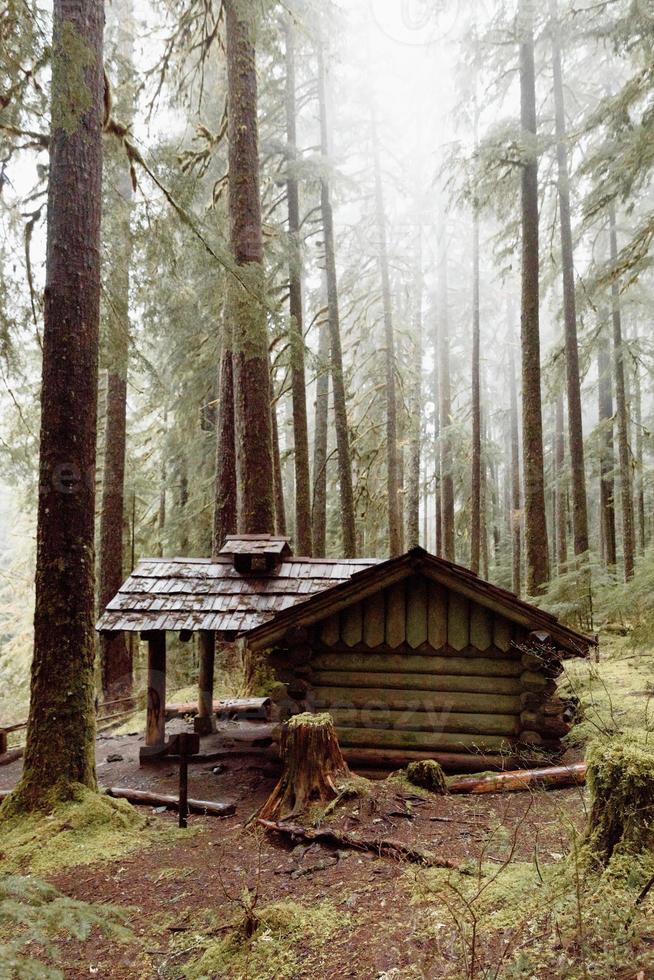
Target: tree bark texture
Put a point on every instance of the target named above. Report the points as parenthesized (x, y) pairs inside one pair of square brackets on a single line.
[(115, 653), (253, 427), (224, 516), (622, 417), (296, 333), (60, 749), (607, 463), (413, 474), (392, 483), (536, 547), (475, 477), (336, 355), (438, 524), (280, 507), (560, 488), (516, 496), (446, 476), (573, 380), (319, 506)]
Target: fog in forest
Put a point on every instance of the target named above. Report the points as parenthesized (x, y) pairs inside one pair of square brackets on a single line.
[(422, 157)]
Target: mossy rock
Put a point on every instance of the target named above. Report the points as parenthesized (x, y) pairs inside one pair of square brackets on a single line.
[(427, 774), (621, 782)]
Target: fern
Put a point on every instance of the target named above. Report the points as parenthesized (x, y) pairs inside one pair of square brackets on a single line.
[(33, 913)]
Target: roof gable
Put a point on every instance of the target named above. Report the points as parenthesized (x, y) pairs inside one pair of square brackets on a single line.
[(456, 578)]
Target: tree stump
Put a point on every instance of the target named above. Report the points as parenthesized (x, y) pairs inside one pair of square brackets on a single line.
[(313, 765), (621, 781)]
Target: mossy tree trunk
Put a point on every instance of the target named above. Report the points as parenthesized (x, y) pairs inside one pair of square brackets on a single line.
[(536, 549), (313, 764), (252, 412), (60, 737), (621, 781)]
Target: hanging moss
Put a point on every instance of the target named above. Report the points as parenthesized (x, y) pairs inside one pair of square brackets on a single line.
[(427, 774), (621, 782)]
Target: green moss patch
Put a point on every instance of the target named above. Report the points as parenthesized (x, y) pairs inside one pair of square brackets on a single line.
[(284, 934), (427, 774), (615, 695), (90, 827), (529, 919), (621, 782)]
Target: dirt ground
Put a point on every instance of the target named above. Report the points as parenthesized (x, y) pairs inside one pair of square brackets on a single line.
[(170, 890)]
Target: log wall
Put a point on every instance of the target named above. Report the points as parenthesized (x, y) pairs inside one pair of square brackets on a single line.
[(419, 669)]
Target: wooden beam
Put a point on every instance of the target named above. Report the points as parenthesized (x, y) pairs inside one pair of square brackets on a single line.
[(417, 608), (458, 621), (374, 620), (383, 663), (436, 702), (425, 741), (396, 615), (155, 726), (422, 721), (481, 627), (417, 682), (205, 722), (437, 615)]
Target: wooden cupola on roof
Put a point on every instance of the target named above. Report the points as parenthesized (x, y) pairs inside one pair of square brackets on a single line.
[(252, 553)]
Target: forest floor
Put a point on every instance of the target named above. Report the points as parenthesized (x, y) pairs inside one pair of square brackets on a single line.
[(230, 901)]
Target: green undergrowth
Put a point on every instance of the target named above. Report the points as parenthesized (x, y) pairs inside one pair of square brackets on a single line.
[(34, 914), (285, 934), (89, 828), (616, 695), (527, 919)]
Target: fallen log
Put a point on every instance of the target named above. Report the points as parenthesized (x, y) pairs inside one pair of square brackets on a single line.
[(243, 709), (10, 756), (550, 777), (382, 846), (142, 797)]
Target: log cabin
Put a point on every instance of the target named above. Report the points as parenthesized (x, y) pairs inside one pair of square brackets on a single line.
[(415, 657)]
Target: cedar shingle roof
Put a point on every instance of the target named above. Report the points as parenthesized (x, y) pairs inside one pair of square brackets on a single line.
[(201, 594)]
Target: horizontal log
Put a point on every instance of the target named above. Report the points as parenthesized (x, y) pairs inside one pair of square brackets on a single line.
[(532, 681), (431, 741), (549, 666), (417, 682), (424, 650), (426, 721), (549, 777), (258, 708), (456, 762), (11, 755), (416, 664), (444, 701), (547, 725), (143, 798)]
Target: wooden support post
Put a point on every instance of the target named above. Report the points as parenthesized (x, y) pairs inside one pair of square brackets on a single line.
[(155, 726), (205, 722)]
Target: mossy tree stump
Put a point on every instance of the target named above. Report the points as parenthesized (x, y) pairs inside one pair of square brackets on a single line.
[(621, 781), (313, 764)]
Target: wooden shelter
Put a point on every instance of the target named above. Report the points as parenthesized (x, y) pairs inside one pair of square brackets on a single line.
[(415, 657)]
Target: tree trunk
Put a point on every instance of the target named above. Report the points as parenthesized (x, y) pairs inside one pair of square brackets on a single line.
[(560, 491), (624, 456), (392, 484), (60, 749), (319, 510), (312, 764), (413, 481), (639, 488), (438, 523), (536, 546), (607, 483), (621, 782), (253, 428), (224, 515), (115, 654), (336, 356), (475, 476), (516, 502), (296, 330), (280, 508), (573, 380), (446, 477)]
